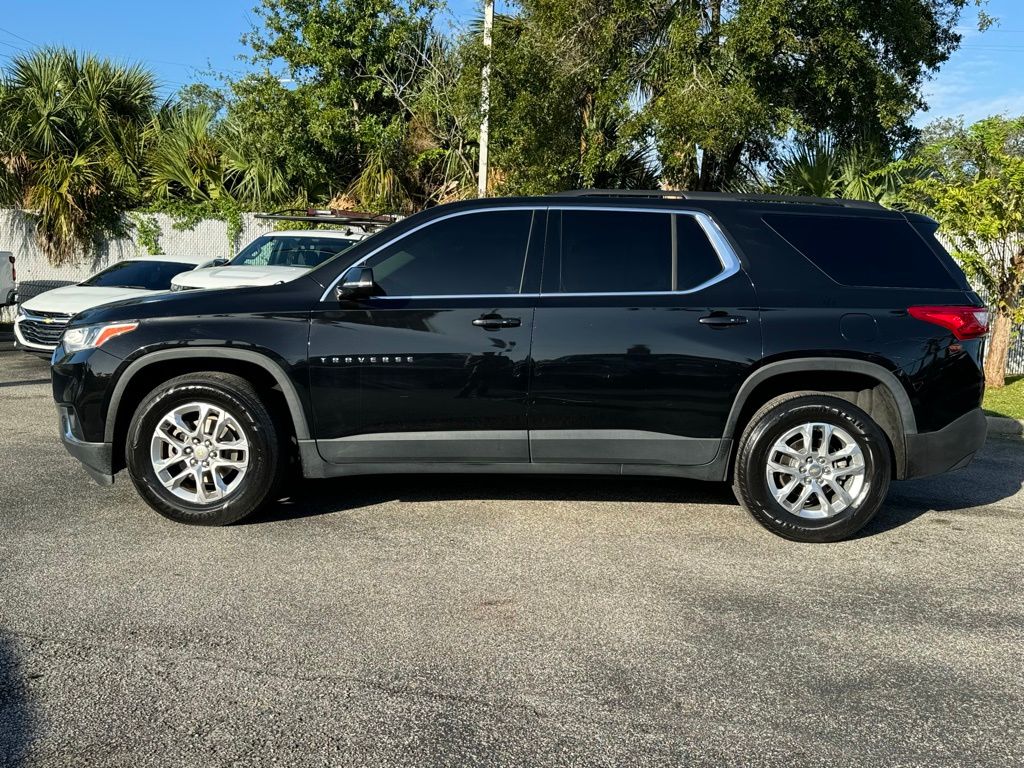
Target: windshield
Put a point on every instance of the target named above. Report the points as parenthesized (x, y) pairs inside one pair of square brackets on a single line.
[(147, 275), (285, 251)]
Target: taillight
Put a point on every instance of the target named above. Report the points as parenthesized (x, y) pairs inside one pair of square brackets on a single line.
[(964, 322), (14, 272)]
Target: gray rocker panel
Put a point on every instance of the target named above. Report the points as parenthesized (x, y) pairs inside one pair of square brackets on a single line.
[(467, 446), (623, 446)]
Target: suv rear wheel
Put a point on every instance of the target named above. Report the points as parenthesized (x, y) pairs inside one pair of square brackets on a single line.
[(202, 449), (812, 467)]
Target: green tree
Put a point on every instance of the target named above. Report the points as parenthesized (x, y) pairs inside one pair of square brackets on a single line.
[(72, 144), (195, 158), (820, 167), (563, 77), (734, 76), (713, 85), (972, 182), (334, 121)]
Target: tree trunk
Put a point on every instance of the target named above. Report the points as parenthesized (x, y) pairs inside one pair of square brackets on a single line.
[(715, 19), (586, 117), (997, 351)]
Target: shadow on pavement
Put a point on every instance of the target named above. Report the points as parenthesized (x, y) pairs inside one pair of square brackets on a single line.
[(326, 496), (15, 712), (997, 474)]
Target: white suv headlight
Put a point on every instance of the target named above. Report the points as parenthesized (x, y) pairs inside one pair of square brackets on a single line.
[(90, 336)]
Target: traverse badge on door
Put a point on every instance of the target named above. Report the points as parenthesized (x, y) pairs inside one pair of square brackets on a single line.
[(359, 360)]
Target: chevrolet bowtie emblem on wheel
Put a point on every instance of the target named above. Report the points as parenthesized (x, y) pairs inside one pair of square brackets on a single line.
[(363, 359)]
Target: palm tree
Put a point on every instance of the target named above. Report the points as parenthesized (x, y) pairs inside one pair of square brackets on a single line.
[(819, 167), (184, 156), (71, 143)]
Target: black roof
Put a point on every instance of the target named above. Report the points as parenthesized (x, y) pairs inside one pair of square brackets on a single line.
[(673, 194), (710, 202)]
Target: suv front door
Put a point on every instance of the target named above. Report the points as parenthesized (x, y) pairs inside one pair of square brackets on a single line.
[(435, 368), (645, 328)]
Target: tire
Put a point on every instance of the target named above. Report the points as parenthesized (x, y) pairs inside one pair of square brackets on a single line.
[(777, 433), (238, 416)]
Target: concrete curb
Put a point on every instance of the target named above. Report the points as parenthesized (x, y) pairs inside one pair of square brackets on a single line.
[(998, 426)]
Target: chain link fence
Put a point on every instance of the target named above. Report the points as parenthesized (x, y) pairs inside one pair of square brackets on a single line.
[(35, 274), (1015, 356)]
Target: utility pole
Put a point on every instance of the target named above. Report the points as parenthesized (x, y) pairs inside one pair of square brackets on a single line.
[(485, 100)]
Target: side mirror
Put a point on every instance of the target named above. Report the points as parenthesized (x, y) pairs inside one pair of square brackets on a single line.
[(357, 283)]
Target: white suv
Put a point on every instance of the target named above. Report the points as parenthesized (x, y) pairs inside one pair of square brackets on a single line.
[(276, 257), (41, 320)]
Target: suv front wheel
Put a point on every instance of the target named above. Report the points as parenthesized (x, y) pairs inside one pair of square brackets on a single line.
[(202, 449), (812, 467)]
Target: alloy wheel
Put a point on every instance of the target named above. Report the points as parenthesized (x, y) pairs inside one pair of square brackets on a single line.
[(816, 471), (199, 452)]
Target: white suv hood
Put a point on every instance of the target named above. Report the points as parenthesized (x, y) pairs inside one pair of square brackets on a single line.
[(72, 299), (237, 277)]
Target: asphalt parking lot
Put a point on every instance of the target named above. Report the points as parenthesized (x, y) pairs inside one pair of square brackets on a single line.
[(500, 621)]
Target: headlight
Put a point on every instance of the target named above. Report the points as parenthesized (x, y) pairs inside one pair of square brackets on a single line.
[(91, 336)]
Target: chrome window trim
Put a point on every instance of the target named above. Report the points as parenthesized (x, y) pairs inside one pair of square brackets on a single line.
[(722, 247)]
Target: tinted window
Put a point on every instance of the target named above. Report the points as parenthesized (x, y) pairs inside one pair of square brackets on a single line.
[(479, 253), (149, 275), (613, 251), (284, 251), (624, 252), (697, 260), (877, 253)]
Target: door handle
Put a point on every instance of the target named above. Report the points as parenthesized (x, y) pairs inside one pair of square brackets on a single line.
[(722, 320), (493, 322)]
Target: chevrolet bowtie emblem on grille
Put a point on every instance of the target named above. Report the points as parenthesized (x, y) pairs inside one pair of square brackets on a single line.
[(362, 359), (48, 320)]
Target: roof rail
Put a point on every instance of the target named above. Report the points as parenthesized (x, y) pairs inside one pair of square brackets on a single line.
[(671, 194), (332, 216)]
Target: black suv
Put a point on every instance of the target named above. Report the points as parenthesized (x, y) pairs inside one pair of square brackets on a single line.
[(806, 350)]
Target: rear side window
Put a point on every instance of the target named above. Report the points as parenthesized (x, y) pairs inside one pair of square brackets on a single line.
[(865, 252), (627, 252), (696, 261)]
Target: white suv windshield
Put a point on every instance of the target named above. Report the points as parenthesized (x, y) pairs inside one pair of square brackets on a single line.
[(146, 275), (285, 251)]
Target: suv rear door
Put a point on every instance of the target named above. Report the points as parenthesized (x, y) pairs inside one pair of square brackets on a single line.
[(436, 369), (645, 328)]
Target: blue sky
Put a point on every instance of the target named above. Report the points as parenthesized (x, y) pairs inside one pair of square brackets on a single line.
[(182, 38)]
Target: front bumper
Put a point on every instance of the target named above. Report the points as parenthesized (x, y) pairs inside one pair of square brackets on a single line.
[(96, 458), (951, 447)]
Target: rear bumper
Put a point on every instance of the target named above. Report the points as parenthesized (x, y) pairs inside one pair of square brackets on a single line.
[(96, 458), (952, 447)]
